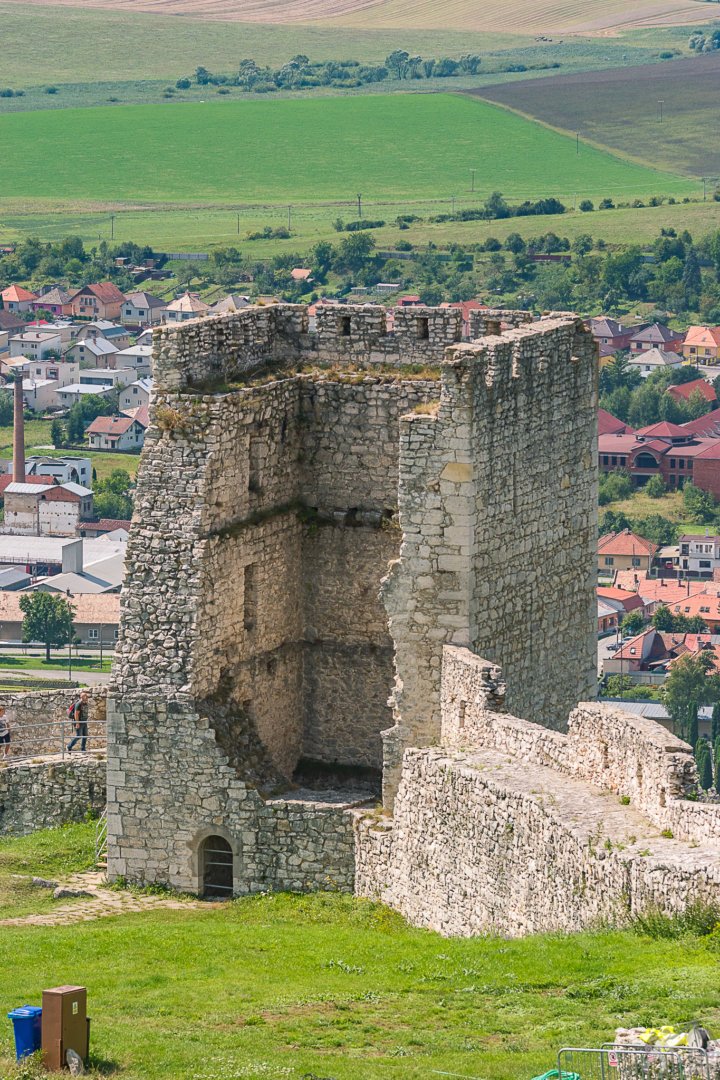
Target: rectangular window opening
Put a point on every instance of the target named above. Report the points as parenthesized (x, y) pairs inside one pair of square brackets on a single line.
[(344, 326), (249, 597), (423, 329)]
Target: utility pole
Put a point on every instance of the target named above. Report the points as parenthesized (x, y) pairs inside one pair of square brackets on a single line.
[(238, 224), (577, 142), (289, 209), (112, 226), (660, 110), (472, 179), (359, 199)]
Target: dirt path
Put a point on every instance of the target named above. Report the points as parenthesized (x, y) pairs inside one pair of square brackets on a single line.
[(101, 902)]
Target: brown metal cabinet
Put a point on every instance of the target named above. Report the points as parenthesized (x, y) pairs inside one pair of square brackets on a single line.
[(65, 1025)]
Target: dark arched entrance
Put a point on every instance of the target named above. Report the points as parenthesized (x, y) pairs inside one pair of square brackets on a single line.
[(216, 862)]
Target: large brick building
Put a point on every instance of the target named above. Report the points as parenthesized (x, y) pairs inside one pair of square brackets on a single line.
[(674, 452)]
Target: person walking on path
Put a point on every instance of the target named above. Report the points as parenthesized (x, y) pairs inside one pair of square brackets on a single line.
[(4, 731), (78, 713)]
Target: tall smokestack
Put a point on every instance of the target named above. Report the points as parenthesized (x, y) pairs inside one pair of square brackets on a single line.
[(18, 433)]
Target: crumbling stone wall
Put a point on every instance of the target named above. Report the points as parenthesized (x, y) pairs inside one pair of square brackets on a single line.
[(38, 719), (44, 795), (498, 509), (513, 828)]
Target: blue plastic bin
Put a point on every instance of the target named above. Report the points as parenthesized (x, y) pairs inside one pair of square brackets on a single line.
[(27, 1022)]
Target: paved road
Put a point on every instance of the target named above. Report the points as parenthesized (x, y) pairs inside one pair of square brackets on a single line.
[(605, 650), (92, 678)]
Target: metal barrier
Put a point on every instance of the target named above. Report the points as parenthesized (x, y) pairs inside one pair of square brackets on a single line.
[(50, 737), (613, 1062)]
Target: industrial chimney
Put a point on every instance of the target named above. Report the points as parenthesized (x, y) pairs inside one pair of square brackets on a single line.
[(18, 433)]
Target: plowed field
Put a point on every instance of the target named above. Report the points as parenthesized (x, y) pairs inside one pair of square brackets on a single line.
[(492, 16)]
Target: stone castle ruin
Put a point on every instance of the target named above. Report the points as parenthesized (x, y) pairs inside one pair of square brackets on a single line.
[(343, 537)]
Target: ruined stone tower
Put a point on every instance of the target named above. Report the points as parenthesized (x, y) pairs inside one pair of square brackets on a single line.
[(318, 513)]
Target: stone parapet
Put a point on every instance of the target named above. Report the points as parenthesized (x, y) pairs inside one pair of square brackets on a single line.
[(47, 794)]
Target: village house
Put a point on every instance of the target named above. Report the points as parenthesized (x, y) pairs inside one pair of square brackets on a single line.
[(653, 360), (15, 298), (92, 351), (105, 330), (36, 344), (698, 555), (115, 377), (612, 335), (68, 395), (10, 323), (647, 657), (96, 617), (115, 433), (100, 301), (608, 618), (684, 391), (138, 357), (670, 451), (142, 309), (186, 307), (656, 336), (136, 395), (701, 345), (610, 425), (56, 301), (231, 302), (69, 467), (624, 551)]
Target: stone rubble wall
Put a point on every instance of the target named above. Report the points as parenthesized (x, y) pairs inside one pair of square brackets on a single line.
[(30, 712), (471, 853), (498, 515), (44, 795)]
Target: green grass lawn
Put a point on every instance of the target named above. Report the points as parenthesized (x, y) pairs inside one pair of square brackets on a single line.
[(326, 986), (50, 853), (57, 661), (399, 146), (37, 436)]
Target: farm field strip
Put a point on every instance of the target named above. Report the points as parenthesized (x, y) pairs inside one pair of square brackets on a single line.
[(565, 16), (385, 146), (620, 109)]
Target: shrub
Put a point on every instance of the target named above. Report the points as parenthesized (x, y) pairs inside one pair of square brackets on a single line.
[(586, 205), (183, 84), (51, 89), (606, 204), (698, 920), (655, 487)]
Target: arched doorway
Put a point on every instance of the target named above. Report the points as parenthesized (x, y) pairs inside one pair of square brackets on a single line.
[(216, 867)]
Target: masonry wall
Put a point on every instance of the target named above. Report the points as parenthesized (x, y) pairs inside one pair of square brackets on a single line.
[(38, 719), (44, 795), (498, 506)]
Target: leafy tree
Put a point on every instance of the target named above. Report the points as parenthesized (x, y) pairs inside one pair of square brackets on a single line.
[(583, 244), (496, 206), (656, 528), (655, 487), (515, 243), (431, 295), (691, 679), (715, 724), (613, 487), (586, 206), (717, 767), (6, 407), (57, 434), (632, 623), (614, 521), (354, 251), (109, 505), (700, 505), (662, 618), (619, 373), (48, 618), (75, 424), (617, 685), (703, 760)]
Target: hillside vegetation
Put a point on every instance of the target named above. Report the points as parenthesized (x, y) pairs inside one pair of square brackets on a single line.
[(544, 16)]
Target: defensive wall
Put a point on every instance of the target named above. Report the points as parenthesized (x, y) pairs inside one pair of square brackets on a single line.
[(46, 793), (287, 472)]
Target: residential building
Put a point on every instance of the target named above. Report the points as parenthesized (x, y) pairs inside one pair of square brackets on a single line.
[(188, 306), (106, 526), (115, 433), (608, 618), (58, 370), (62, 470), (231, 302), (610, 425), (10, 323), (56, 301), (68, 395), (92, 352), (611, 334), (146, 338), (138, 357), (104, 329), (698, 555), (62, 327), (706, 426), (15, 298), (36, 344), (684, 391), (142, 309), (622, 600), (136, 395), (99, 301), (41, 555), (647, 657), (656, 336), (653, 360), (40, 395), (624, 551), (46, 509), (701, 345), (116, 377), (96, 618), (670, 451)]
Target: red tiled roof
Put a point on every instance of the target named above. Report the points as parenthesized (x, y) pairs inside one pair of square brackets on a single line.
[(104, 290), (659, 590), (110, 524), (625, 543), (703, 335), (709, 424), (685, 390), (16, 294), (663, 429), (617, 444), (629, 600), (609, 424), (110, 425)]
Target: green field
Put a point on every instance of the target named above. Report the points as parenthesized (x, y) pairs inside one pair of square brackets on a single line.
[(389, 146), (37, 440), (280, 986)]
